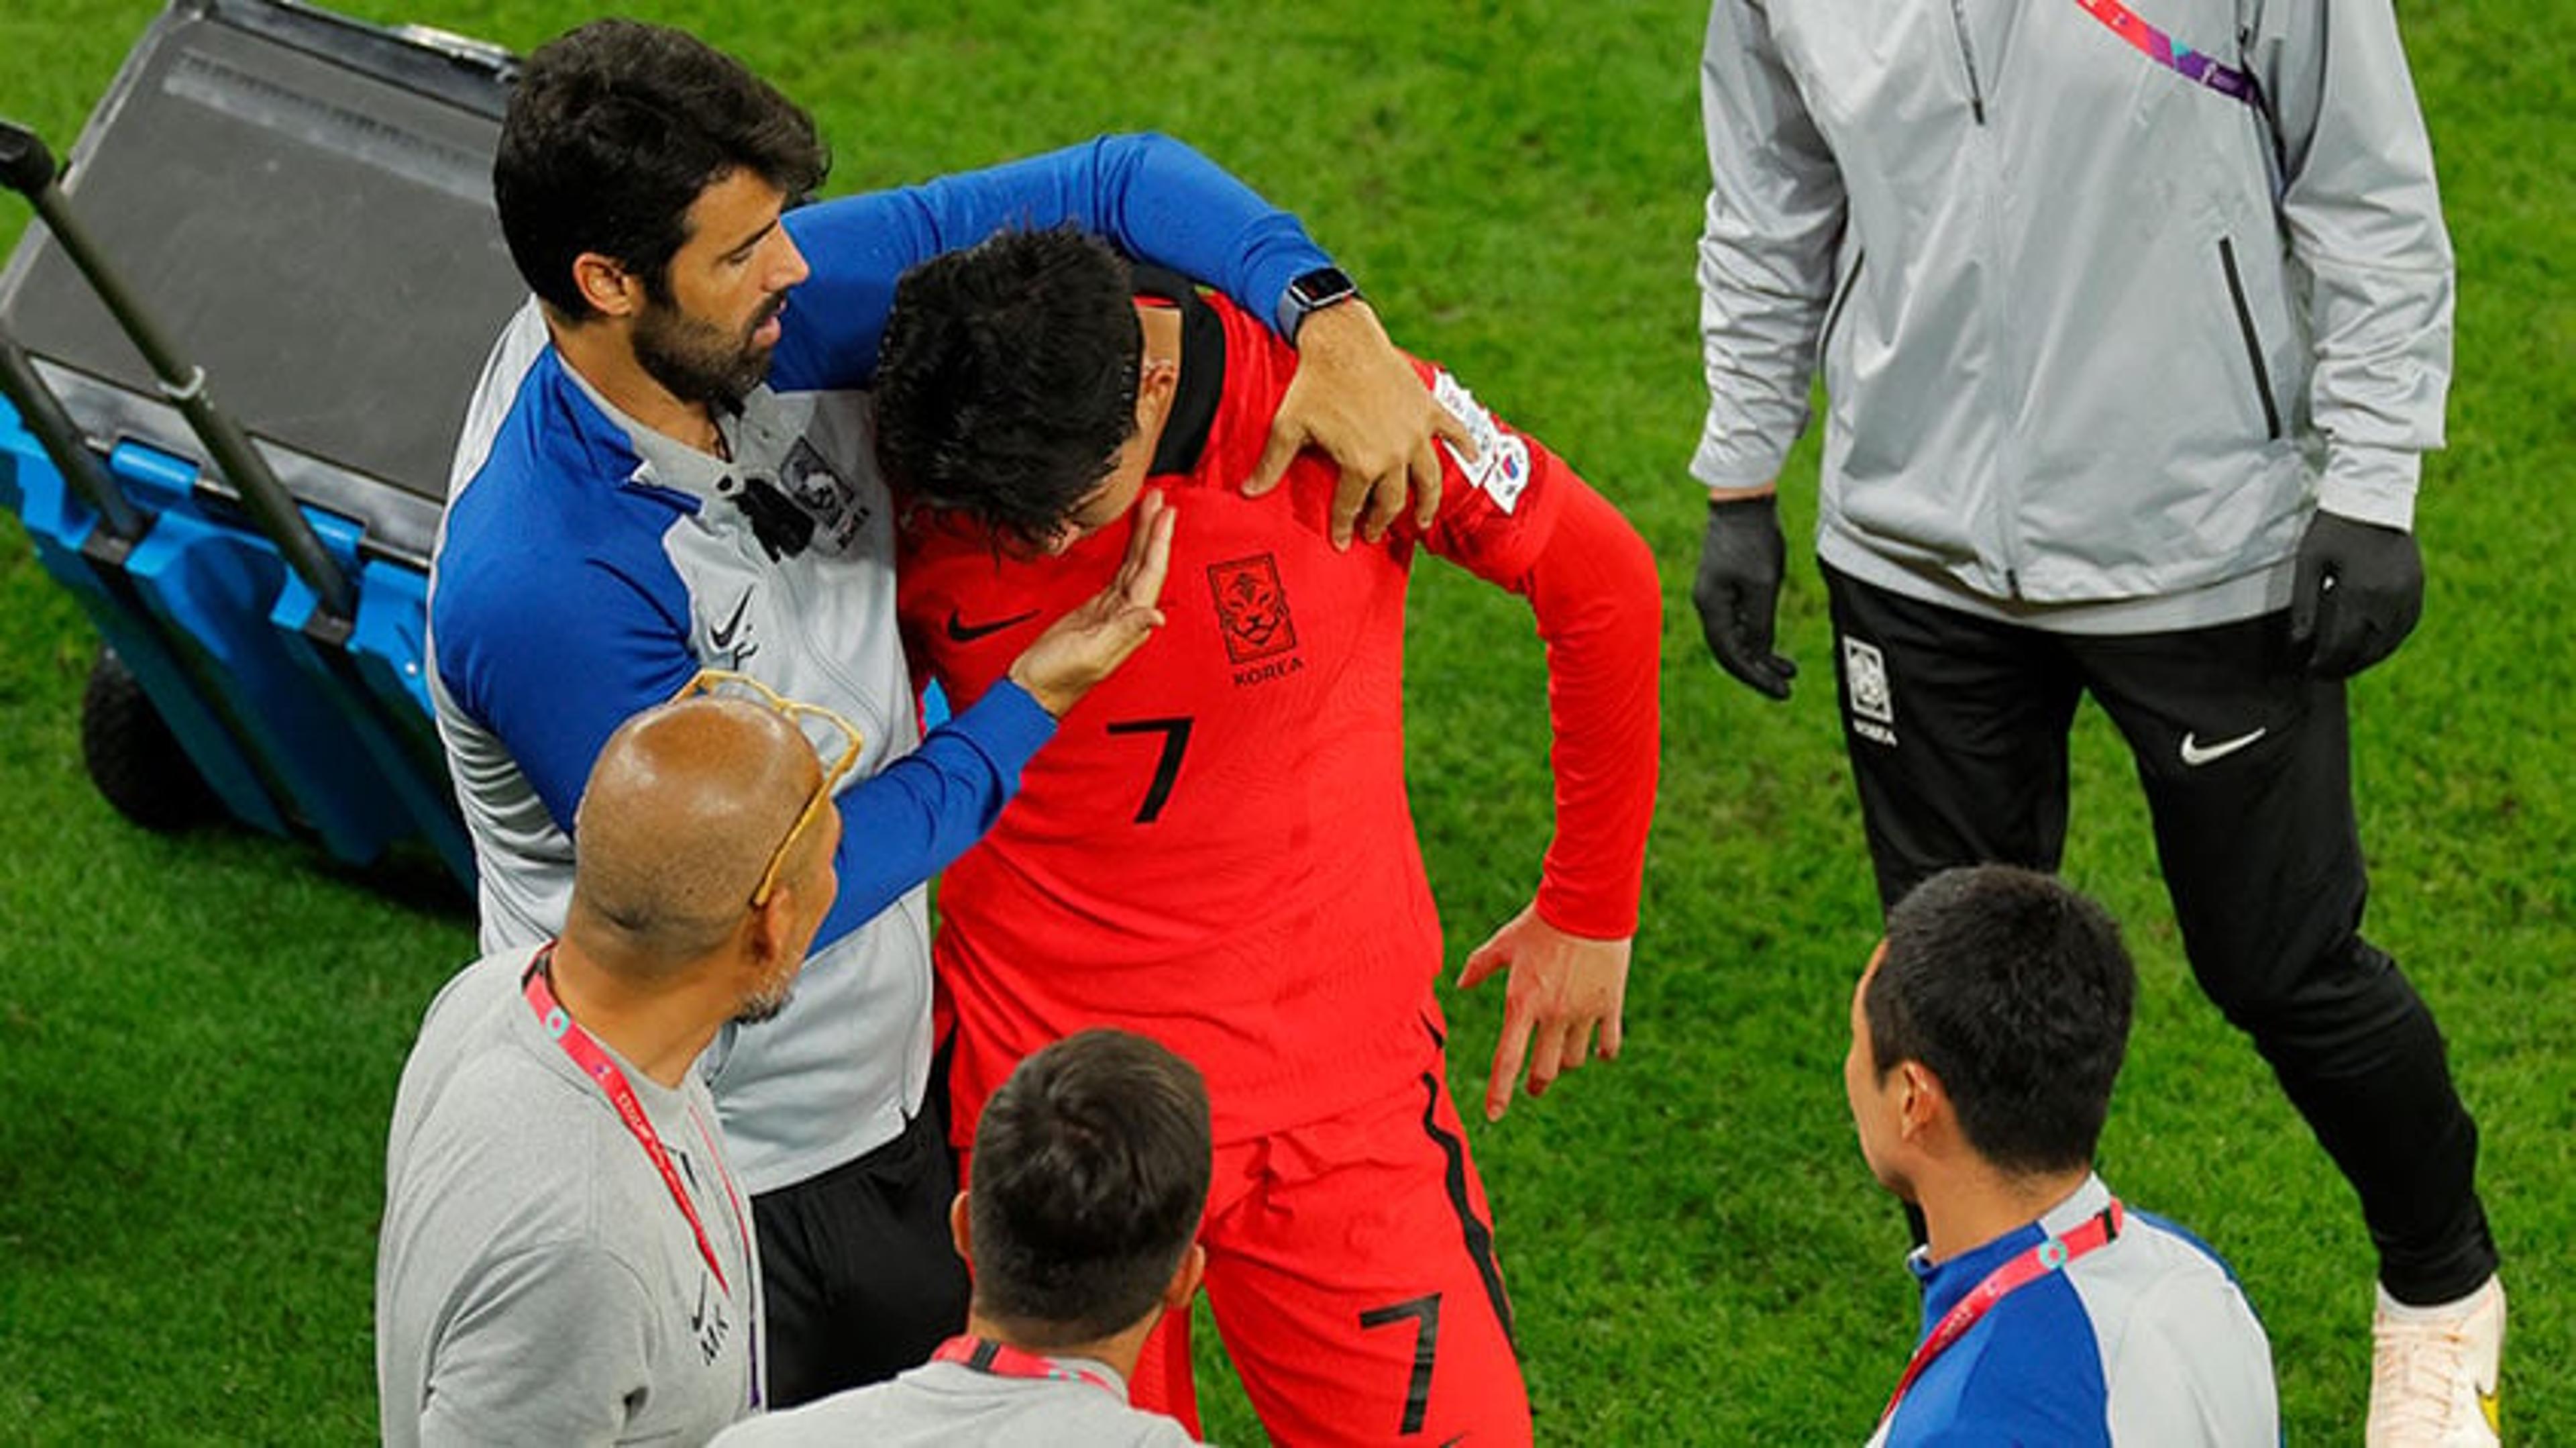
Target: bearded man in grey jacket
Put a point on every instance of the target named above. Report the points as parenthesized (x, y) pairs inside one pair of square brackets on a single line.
[(2135, 321)]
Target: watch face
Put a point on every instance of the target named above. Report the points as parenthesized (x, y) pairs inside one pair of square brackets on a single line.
[(1321, 288)]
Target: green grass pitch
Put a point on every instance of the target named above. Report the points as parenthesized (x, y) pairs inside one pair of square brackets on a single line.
[(199, 1037)]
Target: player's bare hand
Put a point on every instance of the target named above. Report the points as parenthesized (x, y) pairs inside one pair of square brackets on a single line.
[(1563, 990), (1089, 643), (1357, 399)]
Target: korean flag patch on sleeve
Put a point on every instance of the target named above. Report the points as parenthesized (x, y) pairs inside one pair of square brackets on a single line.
[(1502, 464)]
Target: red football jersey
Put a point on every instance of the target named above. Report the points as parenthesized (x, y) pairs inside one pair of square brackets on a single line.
[(1216, 850)]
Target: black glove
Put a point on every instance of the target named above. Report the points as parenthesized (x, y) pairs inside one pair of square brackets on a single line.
[(2359, 590), (1738, 591)]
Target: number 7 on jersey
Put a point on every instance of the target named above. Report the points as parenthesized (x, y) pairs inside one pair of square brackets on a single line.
[(1167, 768)]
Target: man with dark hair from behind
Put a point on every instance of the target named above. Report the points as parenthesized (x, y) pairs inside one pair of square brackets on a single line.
[(1091, 1165), (1986, 1034), (665, 468)]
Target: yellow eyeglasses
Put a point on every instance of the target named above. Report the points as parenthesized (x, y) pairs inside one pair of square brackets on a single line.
[(716, 683)]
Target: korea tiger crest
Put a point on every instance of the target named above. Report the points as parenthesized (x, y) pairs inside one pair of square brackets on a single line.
[(1252, 608)]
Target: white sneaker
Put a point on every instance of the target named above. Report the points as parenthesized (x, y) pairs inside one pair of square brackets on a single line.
[(2433, 1372)]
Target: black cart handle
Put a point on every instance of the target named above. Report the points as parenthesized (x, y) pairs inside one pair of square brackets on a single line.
[(29, 169), (25, 164)]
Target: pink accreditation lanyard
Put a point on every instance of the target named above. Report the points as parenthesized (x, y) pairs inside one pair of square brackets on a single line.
[(1004, 1361), (595, 1063), (2047, 1257), (2172, 54)]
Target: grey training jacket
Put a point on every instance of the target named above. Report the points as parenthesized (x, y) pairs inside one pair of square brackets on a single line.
[(2096, 334)]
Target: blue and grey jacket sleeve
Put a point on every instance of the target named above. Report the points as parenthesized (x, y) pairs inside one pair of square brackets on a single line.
[(1766, 256), (1154, 197), (2365, 220), (911, 819), (899, 827)]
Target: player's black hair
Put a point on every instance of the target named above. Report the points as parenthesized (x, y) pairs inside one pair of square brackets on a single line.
[(1007, 381), (614, 130), (1090, 1170), (2016, 992)]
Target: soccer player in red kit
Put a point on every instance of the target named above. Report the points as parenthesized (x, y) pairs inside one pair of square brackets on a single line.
[(1216, 850)]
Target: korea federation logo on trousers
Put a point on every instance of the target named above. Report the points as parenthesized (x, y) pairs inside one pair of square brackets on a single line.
[(1873, 704)]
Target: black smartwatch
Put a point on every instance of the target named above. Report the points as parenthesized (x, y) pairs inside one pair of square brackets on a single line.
[(1325, 286)]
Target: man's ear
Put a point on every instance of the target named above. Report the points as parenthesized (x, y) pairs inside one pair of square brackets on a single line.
[(1921, 1102), (1156, 381), (958, 1231), (607, 285), (769, 931), (1185, 1279)]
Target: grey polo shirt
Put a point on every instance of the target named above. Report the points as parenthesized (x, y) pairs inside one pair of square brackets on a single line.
[(536, 1282), (940, 1404)]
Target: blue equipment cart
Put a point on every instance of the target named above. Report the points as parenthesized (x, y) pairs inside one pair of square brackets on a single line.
[(307, 201)]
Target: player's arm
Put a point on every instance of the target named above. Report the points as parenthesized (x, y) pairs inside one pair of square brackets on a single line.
[(1157, 199), (1591, 581)]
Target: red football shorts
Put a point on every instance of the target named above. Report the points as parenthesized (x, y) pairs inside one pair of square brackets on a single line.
[(1350, 1267)]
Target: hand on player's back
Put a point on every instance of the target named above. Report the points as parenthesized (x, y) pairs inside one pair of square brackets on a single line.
[(1089, 643), (1357, 400)]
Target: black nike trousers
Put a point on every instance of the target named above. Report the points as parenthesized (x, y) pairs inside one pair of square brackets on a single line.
[(1957, 727), (857, 1269)]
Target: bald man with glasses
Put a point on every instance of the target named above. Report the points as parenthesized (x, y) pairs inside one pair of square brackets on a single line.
[(567, 1254)]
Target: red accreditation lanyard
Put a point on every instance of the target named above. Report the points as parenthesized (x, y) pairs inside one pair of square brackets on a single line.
[(2049, 1256), (1004, 1361), (595, 1063)]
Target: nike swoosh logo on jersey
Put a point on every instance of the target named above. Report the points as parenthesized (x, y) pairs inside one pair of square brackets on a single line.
[(963, 632), (2196, 754), (722, 638)]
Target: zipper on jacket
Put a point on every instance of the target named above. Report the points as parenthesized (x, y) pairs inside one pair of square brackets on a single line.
[(2253, 343), (1968, 58), (1834, 311)]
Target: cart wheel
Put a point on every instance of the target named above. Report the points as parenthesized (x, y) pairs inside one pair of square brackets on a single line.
[(134, 759)]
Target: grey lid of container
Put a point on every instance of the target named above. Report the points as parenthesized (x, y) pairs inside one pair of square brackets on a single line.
[(305, 203)]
